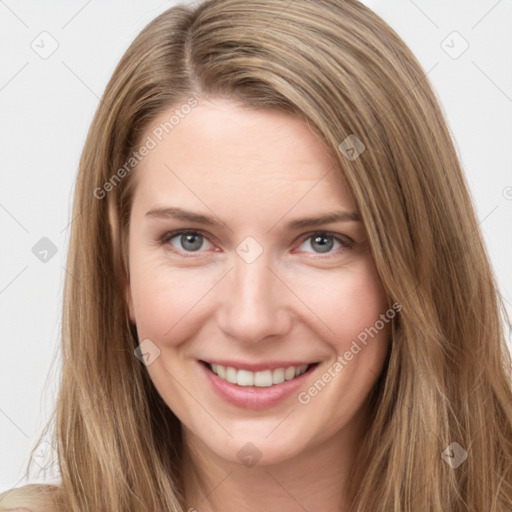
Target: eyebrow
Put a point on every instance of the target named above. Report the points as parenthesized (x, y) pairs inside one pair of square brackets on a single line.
[(181, 214)]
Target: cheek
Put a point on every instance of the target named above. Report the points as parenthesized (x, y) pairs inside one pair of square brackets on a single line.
[(164, 299), (351, 307), (351, 304), (345, 303)]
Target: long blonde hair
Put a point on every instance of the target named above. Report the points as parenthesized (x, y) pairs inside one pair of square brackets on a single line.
[(447, 379)]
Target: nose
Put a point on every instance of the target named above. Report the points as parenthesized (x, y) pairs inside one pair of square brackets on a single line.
[(254, 303)]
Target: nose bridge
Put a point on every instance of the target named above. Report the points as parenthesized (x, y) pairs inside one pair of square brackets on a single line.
[(254, 305)]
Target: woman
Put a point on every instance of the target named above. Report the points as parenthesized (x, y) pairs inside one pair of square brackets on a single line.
[(280, 297)]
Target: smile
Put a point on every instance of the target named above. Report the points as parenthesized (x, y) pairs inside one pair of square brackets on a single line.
[(262, 379), (256, 385)]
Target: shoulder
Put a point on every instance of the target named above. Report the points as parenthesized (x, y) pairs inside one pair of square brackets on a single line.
[(29, 498)]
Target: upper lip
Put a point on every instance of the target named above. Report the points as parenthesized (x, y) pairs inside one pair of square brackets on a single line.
[(257, 367)]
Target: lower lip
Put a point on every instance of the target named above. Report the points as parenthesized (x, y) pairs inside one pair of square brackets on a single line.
[(252, 397)]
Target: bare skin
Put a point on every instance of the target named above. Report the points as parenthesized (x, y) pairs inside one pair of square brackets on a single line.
[(303, 298)]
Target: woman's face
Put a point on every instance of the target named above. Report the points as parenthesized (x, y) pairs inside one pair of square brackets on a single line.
[(256, 286)]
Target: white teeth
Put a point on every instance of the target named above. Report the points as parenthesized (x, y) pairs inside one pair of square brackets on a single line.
[(231, 375), (261, 379), (245, 378), (278, 376), (289, 373)]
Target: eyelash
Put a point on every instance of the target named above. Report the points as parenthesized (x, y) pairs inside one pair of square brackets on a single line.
[(344, 241)]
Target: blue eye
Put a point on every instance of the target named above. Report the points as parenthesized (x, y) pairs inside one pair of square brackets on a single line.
[(188, 241), (321, 242)]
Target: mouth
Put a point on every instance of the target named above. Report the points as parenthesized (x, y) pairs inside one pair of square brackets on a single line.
[(258, 379)]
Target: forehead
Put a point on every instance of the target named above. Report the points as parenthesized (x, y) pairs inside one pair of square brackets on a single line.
[(223, 150)]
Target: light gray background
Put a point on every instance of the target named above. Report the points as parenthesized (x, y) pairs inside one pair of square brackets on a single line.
[(48, 104)]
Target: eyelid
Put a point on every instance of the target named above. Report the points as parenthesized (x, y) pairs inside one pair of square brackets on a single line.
[(345, 241), (169, 235)]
